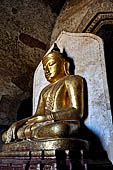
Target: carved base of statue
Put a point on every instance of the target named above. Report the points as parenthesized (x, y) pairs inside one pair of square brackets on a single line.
[(52, 154), (42, 154), (47, 144)]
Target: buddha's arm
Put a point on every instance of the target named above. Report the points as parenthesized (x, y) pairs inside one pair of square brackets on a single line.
[(66, 114), (75, 89), (41, 105), (11, 132), (40, 114), (16, 125)]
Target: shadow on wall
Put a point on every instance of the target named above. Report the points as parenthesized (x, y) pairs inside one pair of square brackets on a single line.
[(106, 33), (2, 129), (25, 109), (85, 133)]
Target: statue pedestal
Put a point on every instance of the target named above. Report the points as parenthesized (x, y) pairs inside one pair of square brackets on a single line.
[(52, 154), (47, 145), (63, 159)]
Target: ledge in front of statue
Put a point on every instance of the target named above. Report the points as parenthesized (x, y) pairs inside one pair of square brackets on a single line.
[(52, 154)]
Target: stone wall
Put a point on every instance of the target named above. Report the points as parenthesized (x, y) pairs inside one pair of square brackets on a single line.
[(25, 32)]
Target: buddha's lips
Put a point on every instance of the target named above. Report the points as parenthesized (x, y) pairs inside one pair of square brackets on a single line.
[(48, 74)]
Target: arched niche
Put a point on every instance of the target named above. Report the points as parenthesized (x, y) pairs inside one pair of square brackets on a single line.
[(87, 52), (101, 24), (106, 33)]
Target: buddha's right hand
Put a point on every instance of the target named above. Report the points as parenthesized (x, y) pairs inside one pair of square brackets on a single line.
[(11, 132)]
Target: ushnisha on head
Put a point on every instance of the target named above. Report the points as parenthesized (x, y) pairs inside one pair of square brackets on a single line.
[(55, 65)]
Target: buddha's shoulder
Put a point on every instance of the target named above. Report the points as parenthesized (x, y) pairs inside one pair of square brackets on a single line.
[(45, 89), (74, 78)]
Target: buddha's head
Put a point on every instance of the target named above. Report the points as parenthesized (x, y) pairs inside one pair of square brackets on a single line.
[(55, 66)]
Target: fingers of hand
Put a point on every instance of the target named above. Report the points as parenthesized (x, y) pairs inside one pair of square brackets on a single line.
[(30, 121), (13, 131)]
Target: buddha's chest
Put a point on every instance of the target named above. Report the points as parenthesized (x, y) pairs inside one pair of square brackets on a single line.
[(55, 96)]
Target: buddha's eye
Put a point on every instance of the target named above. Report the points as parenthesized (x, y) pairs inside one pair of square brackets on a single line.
[(52, 63)]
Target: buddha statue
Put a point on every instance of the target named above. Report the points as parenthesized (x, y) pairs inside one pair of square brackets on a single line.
[(60, 106)]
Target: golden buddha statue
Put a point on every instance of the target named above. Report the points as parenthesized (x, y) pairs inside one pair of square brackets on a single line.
[(60, 106)]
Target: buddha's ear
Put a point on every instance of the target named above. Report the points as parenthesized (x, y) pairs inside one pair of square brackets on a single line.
[(66, 68)]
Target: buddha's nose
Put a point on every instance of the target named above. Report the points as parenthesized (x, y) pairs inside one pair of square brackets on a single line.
[(47, 70)]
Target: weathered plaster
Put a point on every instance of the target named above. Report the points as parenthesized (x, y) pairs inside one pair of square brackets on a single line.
[(83, 16)]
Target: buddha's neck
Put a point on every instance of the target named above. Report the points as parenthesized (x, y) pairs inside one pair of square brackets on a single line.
[(57, 80)]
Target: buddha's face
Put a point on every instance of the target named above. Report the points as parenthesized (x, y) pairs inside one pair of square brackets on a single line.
[(53, 67)]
